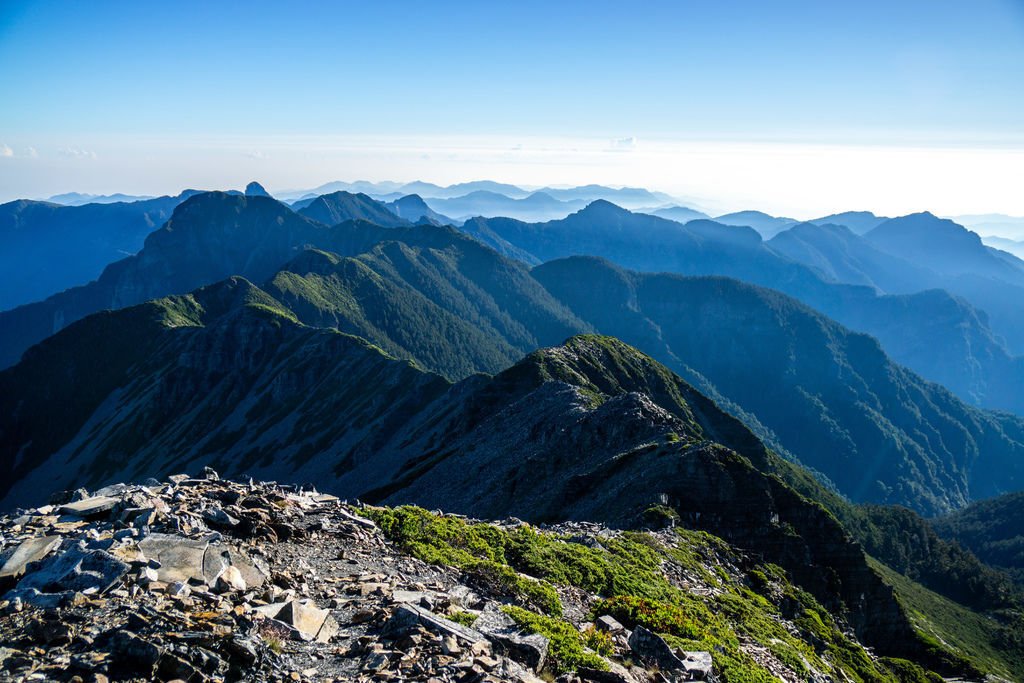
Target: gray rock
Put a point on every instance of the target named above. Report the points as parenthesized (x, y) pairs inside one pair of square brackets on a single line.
[(652, 649), (97, 506), (181, 559), (309, 621), (507, 638), (609, 624), (114, 490), (616, 673), (411, 597), (36, 598), (254, 572), (76, 569), (230, 580), (198, 560), (31, 550), (698, 664), (408, 616), (217, 517)]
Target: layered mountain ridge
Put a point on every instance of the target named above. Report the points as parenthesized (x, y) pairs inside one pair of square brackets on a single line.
[(455, 307)]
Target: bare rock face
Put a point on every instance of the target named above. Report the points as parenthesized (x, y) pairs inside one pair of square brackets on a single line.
[(149, 583)]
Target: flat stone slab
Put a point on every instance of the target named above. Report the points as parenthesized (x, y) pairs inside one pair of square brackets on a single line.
[(78, 570), (311, 622), (89, 507), (29, 551), (181, 559), (188, 559), (699, 663), (411, 597), (439, 624)]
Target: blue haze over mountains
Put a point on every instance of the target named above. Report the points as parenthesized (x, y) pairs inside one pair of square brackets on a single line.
[(907, 281), (922, 286)]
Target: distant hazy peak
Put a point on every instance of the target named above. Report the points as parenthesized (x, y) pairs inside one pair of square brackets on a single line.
[(254, 189)]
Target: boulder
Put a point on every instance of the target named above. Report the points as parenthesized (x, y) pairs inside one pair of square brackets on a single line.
[(652, 650), (408, 616), (609, 624), (508, 639), (698, 664), (616, 673), (27, 552), (76, 570), (230, 580), (181, 559), (308, 621), (186, 559), (218, 518)]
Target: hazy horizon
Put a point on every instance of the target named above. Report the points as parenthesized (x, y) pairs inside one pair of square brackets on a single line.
[(797, 109)]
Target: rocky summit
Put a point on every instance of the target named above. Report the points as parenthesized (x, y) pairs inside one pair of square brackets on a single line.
[(204, 579)]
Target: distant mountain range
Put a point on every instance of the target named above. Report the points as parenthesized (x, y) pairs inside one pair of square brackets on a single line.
[(1015, 247), (456, 307), (919, 252), (811, 261), (78, 198), (997, 224), (679, 214), (47, 247), (767, 225), (970, 358), (538, 206), (626, 196)]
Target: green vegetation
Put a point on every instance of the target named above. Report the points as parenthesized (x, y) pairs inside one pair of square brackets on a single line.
[(462, 617), (988, 643), (909, 544), (478, 549), (656, 616), (600, 642), (568, 645), (660, 515), (628, 574), (993, 530)]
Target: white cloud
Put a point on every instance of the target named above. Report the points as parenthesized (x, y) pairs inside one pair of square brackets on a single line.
[(6, 151), (257, 154), (31, 152), (76, 153), (623, 144)]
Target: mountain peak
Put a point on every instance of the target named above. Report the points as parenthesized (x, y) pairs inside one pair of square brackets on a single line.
[(254, 189), (602, 207)]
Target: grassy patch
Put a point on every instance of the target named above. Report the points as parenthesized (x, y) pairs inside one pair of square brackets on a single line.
[(628, 573), (983, 641), (568, 647)]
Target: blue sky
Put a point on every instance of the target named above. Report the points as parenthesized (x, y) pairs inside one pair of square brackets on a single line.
[(145, 97)]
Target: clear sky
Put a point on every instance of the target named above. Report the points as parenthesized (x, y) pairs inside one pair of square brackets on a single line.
[(793, 107)]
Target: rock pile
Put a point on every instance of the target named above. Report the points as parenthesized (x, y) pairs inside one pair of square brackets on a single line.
[(201, 579)]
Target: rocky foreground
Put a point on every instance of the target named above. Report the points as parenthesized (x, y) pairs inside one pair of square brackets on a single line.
[(202, 579)]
